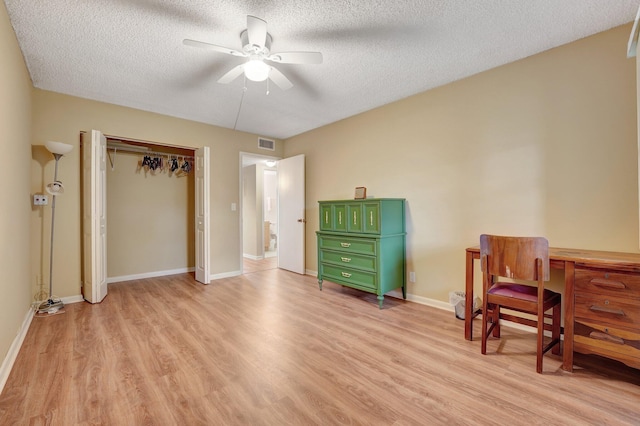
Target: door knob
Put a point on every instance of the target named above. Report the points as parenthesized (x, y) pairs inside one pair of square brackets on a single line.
[(302, 221)]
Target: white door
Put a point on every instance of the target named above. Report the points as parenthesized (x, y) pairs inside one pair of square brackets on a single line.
[(202, 214), (291, 214), (94, 216)]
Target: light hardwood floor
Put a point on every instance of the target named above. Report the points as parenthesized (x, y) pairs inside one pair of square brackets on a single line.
[(269, 348)]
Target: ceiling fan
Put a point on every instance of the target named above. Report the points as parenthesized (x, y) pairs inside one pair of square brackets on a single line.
[(256, 45)]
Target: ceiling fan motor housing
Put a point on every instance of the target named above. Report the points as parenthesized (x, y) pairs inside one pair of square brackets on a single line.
[(254, 49)]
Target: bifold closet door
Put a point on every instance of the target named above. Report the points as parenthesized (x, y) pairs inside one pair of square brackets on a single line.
[(202, 214), (94, 216)]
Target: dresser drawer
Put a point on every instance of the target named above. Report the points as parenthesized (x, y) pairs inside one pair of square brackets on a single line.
[(355, 278), (611, 342), (604, 309), (348, 244), (608, 283), (350, 260)]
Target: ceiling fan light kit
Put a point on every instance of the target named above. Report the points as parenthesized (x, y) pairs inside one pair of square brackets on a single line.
[(256, 45), (256, 69)]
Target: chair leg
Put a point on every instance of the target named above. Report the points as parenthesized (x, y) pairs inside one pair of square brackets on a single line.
[(485, 314), (496, 321), (555, 329), (540, 343)]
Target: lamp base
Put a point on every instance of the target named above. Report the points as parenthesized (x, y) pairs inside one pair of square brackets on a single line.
[(50, 306)]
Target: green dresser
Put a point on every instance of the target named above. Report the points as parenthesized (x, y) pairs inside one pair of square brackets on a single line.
[(361, 244)]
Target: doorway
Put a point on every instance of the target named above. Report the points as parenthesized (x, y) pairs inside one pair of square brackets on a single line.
[(259, 212)]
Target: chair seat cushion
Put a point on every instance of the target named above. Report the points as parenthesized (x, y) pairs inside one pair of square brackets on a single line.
[(519, 291)]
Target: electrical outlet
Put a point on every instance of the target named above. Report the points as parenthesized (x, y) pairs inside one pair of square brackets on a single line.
[(412, 277), (40, 200)]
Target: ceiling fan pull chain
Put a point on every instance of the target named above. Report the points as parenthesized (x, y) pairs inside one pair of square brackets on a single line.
[(244, 90), (267, 86)]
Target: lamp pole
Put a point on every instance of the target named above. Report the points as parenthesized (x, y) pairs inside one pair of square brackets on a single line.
[(50, 305)]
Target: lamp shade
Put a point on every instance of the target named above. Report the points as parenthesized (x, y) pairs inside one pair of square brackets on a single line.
[(256, 70), (58, 147)]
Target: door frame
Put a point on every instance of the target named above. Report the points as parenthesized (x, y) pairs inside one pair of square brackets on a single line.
[(207, 173), (243, 158)]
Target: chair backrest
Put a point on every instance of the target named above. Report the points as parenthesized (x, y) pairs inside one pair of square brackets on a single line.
[(514, 257)]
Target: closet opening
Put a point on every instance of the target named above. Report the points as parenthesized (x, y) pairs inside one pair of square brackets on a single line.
[(150, 199)]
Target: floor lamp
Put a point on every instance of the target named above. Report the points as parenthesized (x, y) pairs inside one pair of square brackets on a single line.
[(55, 188)]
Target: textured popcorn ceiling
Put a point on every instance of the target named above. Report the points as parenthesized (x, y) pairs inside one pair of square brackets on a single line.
[(130, 52)]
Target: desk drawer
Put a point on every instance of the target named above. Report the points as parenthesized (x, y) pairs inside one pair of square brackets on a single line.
[(608, 283), (603, 309), (348, 244), (611, 342), (350, 260), (353, 277)]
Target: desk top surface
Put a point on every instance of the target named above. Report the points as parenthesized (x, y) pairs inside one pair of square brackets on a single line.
[(594, 257)]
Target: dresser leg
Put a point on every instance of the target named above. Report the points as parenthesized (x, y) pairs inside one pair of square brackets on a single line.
[(320, 283), (380, 300), (404, 291)]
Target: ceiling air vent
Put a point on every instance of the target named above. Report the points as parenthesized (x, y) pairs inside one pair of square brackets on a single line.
[(266, 144)]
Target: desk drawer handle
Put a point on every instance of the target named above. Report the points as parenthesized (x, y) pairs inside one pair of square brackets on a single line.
[(608, 283), (346, 259), (345, 244), (596, 308), (346, 274), (598, 335)]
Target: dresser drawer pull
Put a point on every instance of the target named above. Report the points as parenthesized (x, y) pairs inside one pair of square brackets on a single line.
[(345, 244), (596, 308), (598, 335), (346, 259), (608, 283), (346, 274)]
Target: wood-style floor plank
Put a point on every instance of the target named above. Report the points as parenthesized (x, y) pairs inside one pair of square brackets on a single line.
[(269, 348)]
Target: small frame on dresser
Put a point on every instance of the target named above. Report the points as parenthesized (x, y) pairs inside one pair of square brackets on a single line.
[(361, 193)]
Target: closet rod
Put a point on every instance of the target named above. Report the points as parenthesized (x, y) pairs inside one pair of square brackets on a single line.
[(143, 150)]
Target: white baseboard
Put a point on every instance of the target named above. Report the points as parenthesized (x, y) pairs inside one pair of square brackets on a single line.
[(311, 272), (225, 275), (149, 275), (7, 364), (422, 300), (72, 299), (252, 257)]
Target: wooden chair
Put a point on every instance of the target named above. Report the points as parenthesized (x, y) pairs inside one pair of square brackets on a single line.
[(523, 259)]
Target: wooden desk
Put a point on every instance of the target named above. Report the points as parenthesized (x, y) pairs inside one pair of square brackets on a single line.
[(588, 262)]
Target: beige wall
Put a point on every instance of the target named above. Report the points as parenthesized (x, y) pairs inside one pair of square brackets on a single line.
[(150, 218), (15, 183), (60, 117), (543, 146)]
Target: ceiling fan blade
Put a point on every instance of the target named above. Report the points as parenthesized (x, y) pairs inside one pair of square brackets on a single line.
[(203, 45), (296, 57), (279, 79), (256, 31), (232, 74)]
